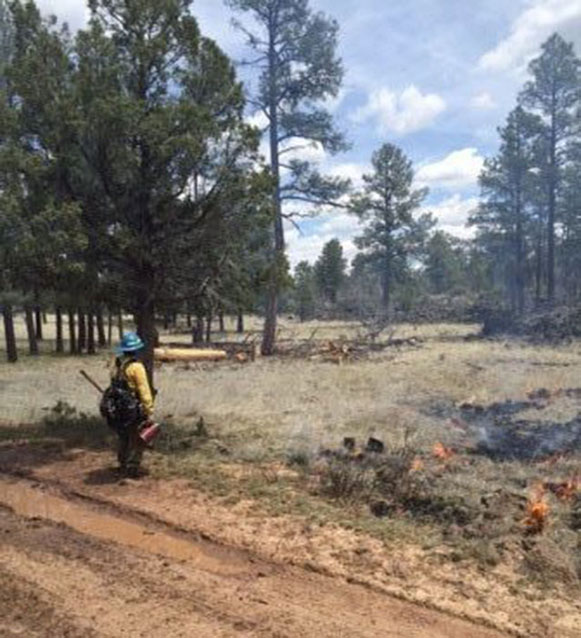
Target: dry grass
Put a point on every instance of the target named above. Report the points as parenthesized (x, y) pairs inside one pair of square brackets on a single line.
[(289, 404)]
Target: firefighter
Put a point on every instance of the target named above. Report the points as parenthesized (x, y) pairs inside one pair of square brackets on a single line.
[(129, 368)]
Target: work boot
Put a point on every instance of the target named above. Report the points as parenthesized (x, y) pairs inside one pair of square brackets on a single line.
[(132, 472)]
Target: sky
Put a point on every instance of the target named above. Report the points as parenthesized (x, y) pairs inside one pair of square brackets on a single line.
[(434, 77)]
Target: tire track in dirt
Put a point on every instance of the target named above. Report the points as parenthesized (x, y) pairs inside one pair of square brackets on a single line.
[(111, 587)]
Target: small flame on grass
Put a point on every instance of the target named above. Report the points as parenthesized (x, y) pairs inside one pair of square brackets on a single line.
[(565, 490), (417, 464), (537, 510), (443, 453)]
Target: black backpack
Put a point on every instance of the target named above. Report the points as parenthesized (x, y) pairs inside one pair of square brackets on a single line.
[(119, 405)]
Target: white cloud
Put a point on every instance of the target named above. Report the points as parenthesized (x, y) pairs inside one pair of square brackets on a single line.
[(304, 150), (258, 119), (459, 169), (333, 104), (402, 113), (530, 30), (349, 170), (297, 149), (483, 102), (74, 12), (452, 214), (341, 226)]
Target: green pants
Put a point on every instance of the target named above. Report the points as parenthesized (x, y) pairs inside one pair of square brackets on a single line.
[(130, 450)]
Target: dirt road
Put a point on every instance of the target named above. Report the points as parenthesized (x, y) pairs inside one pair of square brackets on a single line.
[(75, 568)]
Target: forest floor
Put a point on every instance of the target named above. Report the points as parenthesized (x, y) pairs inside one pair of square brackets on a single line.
[(254, 519)]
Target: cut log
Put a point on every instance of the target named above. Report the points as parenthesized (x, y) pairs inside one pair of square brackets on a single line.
[(168, 355)]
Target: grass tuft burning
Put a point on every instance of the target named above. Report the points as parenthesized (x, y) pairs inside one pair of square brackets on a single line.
[(537, 510)]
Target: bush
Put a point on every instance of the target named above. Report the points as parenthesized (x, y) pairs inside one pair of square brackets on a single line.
[(375, 476), (395, 478), (543, 323), (496, 318), (347, 479)]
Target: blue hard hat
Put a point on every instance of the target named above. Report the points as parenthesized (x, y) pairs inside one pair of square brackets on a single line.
[(131, 342)]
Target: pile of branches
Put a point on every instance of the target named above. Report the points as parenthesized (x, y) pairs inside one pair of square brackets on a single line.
[(542, 324), (341, 351), (438, 309)]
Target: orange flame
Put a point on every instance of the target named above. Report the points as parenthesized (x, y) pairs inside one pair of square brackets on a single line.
[(537, 511), (417, 465), (443, 453), (566, 490)]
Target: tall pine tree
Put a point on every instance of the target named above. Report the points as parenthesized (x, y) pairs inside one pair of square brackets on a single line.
[(330, 270), (295, 51), (505, 216), (387, 206), (555, 94)]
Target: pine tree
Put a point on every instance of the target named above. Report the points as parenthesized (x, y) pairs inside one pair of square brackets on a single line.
[(571, 215), (445, 263), (7, 293), (296, 55), (305, 290), (392, 235), (330, 270), (505, 217), (555, 94), (164, 143)]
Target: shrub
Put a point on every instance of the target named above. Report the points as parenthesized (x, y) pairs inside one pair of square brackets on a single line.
[(347, 479)]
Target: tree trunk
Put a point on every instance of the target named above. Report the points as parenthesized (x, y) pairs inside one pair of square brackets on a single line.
[(9, 334), (145, 322), (520, 256), (82, 336), (38, 323), (189, 320), (198, 330), (72, 335), (269, 336), (209, 320), (60, 346), (101, 328), (552, 210), (109, 327), (240, 322), (386, 287), (146, 329), (91, 332), (551, 246), (539, 268), (30, 331), (222, 327), (120, 324)]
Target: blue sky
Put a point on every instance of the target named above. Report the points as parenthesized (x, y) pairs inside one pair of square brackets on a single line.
[(436, 77)]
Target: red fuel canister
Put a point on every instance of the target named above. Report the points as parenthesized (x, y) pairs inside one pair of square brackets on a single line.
[(149, 433)]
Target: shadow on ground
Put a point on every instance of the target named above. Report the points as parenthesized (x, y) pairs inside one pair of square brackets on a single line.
[(25, 447)]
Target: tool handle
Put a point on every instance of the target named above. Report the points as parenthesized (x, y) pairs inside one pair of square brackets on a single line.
[(91, 381)]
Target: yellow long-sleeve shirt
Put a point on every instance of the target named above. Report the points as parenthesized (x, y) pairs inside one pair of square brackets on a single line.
[(136, 376)]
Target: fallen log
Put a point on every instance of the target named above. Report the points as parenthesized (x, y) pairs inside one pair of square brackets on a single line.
[(232, 348), (168, 355)]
